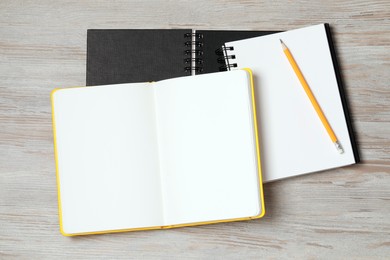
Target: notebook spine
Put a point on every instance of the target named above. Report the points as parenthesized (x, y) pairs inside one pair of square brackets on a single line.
[(193, 62), (226, 58)]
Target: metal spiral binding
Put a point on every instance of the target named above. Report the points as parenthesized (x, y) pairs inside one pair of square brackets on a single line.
[(225, 57), (189, 69), (196, 35), (196, 60), (195, 43), (197, 52), (223, 49), (193, 61), (222, 59)]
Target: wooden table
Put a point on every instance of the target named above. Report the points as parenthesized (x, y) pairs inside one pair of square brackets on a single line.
[(342, 213)]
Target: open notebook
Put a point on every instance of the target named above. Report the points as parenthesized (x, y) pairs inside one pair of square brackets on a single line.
[(293, 139), (157, 155)]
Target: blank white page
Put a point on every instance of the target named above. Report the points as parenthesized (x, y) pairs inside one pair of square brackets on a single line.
[(292, 137), (207, 148), (107, 157)]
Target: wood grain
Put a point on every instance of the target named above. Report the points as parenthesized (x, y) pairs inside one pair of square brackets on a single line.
[(342, 213)]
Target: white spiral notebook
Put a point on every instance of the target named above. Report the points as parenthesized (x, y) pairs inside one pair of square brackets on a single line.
[(292, 139)]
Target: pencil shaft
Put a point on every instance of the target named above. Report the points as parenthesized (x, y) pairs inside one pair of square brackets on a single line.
[(309, 93)]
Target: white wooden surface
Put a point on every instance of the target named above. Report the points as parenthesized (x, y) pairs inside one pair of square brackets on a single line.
[(343, 213)]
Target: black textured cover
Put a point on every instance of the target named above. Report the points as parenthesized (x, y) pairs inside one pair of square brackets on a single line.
[(132, 55), (212, 40), (141, 55), (342, 94)]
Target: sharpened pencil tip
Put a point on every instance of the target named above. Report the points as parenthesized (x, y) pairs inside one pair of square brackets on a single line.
[(283, 45)]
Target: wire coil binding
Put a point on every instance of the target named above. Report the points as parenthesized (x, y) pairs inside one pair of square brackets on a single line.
[(196, 35), (194, 43), (189, 69), (196, 52), (196, 60), (227, 57), (224, 58), (223, 49)]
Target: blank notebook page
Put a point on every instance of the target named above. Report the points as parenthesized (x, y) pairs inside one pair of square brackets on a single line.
[(293, 139), (207, 148), (107, 162)]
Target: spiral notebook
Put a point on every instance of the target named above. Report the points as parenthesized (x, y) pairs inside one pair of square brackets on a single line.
[(152, 158), (140, 55), (293, 139)]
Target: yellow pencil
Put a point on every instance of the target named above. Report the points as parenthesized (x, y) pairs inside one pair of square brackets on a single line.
[(313, 100)]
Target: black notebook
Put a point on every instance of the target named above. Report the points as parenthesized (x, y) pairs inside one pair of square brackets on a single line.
[(138, 55)]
